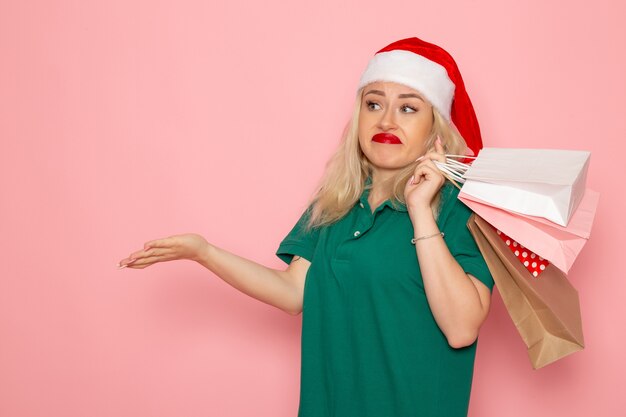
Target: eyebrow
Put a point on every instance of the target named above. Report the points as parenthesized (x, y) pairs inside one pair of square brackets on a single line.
[(382, 93)]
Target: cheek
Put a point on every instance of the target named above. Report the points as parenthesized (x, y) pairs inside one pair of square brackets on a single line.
[(362, 143), (362, 131), (363, 123), (421, 130)]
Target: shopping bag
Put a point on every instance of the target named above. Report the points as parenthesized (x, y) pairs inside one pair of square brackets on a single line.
[(559, 245), (545, 310), (546, 183)]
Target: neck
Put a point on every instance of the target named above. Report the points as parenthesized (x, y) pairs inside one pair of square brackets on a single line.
[(381, 183)]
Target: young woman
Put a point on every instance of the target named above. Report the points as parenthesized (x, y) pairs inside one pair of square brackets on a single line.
[(391, 286)]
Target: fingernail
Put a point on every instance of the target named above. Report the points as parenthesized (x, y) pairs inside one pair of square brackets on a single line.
[(411, 180), (438, 139), (119, 266), (421, 157)]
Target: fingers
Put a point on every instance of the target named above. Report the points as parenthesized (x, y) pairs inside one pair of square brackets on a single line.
[(439, 146), (144, 258), (423, 171), (438, 154), (147, 261), (159, 243), (427, 162), (143, 253), (433, 156), (183, 246), (424, 184)]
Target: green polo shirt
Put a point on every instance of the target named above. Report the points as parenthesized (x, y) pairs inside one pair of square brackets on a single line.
[(370, 344)]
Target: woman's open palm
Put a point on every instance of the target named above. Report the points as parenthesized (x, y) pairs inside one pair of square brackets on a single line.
[(184, 246)]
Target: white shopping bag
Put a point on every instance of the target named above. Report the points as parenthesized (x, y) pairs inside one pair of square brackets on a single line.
[(546, 183)]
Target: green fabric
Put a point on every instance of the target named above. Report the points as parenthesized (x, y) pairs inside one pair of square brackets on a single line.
[(370, 344)]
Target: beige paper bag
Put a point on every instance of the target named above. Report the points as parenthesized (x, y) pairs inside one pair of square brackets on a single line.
[(545, 309)]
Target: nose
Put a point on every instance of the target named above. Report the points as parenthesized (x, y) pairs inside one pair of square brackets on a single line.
[(387, 120)]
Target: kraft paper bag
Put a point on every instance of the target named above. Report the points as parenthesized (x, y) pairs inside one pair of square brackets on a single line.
[(546, 183), (559, 245), (545, 310)]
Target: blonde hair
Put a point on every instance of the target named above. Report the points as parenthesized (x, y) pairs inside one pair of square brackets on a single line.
[(346, 172)]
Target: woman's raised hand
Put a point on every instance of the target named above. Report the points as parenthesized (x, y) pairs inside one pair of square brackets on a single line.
[(186, 246), (427, 179)]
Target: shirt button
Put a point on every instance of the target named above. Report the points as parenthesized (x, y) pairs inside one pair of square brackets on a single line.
[(357, 233), (361, 204)]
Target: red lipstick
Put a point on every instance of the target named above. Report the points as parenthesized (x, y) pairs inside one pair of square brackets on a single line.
[(386, 138)]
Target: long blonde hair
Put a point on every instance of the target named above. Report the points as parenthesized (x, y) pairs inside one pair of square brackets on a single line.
[(346, 172)]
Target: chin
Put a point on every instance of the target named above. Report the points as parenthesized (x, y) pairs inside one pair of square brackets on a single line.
[(389, 164), (391, 157)]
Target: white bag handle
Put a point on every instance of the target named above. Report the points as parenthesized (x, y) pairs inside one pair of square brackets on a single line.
[(454, 170)]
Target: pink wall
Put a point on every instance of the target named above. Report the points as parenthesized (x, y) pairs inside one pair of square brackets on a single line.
[(124, 121)]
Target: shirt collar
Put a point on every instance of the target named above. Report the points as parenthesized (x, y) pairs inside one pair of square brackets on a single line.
[(366, 192)]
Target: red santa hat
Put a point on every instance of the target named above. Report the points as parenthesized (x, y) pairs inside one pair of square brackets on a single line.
[(432, 71)]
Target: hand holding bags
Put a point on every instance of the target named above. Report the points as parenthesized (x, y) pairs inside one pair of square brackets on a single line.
[(545, 309)]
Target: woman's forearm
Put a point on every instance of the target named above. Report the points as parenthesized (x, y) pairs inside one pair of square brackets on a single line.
[(270, 286), (451, 294)]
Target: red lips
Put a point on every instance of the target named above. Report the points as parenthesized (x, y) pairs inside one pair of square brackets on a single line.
[(386, 138)]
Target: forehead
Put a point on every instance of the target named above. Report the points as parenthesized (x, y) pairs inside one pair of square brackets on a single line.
[(390, 87), (391, 90)]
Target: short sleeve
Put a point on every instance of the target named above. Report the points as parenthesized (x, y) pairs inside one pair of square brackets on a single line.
[(299, 241), (452, 221)]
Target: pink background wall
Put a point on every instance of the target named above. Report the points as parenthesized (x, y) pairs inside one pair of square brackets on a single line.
[(122, 122)]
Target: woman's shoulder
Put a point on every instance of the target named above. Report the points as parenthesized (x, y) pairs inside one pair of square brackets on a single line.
[(449, 195), (449, 190), (450, 205)]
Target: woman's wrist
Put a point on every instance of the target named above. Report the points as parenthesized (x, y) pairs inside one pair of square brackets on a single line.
[(423, 220), (418, 207), (419, 212), (203, 256)]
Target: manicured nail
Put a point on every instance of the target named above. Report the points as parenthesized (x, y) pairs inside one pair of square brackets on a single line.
[(420, 158), (411, 180), (121, 266), (438, 139)]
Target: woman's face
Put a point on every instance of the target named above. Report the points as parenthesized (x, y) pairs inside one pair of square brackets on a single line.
[(394, 124)]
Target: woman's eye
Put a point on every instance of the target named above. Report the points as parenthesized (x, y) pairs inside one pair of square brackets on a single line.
[(408, 109), (373, 106)]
